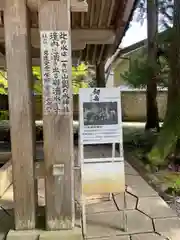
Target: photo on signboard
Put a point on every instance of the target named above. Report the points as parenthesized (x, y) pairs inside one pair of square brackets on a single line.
[(100, 113)]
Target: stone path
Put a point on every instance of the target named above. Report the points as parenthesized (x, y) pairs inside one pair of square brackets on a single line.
[(148, 216)]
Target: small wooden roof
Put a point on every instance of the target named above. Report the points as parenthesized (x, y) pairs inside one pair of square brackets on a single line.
[(96, 34)]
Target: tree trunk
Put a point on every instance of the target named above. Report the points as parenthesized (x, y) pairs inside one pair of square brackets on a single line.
[(170, 133), (152, 120)]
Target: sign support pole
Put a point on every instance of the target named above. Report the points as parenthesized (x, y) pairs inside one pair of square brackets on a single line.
[(101, 123)]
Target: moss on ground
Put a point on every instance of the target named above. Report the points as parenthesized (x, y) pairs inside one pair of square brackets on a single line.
[(138, 144), (172, 182)]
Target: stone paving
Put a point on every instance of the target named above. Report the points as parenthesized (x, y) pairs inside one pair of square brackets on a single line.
[(148, 216)]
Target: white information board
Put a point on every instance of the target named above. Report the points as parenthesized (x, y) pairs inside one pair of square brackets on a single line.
[(101, 123), (100, 115), (55, 66)]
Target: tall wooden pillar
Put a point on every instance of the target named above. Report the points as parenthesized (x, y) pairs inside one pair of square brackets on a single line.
[(55, 30), (20, 105)]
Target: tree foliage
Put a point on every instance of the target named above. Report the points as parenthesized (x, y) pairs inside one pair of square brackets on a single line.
[(168, 75), (139, 72), (137, 75), (80, 74), (3, 83), (165, 9)]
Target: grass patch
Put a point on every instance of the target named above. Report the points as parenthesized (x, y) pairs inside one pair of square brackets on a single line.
[(172, 182), (137, 144)]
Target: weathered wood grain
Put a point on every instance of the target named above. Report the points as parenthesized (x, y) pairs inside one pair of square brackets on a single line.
[(58, 134), (20, 105)]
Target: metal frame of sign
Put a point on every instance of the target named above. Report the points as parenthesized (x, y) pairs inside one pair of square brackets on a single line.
[(90, 136)]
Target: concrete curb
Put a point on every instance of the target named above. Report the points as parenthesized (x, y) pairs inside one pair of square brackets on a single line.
[(149, 177)]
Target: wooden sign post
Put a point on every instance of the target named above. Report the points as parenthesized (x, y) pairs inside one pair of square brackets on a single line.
[(55, 31)]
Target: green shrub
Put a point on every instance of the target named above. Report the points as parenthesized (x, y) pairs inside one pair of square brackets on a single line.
[(4, 115)]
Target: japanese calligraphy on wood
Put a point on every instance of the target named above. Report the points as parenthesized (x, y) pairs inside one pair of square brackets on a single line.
[(55, 55)]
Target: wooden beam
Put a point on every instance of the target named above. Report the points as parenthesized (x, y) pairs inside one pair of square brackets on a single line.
[(2, 49), (128, 9), (92, 13), (76, 5), (79, 36), (35, 62), (82, 20), (22, 123), (94, 55), (101, 54), (36, 52), (88, 36), (79, 6), (78, 46), (58, 128), (103, 3), (87, 53), (122, 22), (82, 55), (75, 46), (2, 4), (111, 12)]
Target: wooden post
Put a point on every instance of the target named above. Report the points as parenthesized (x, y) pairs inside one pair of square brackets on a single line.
[(54, 20), (20, 105), (100, 75)]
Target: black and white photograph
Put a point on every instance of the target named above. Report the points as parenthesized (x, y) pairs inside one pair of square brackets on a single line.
[(100, 113)]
